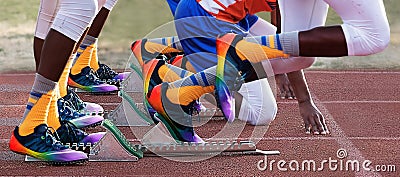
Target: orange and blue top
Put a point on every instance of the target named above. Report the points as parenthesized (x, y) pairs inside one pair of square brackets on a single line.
[(235, 10)]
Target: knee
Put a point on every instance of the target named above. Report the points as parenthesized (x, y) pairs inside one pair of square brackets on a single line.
[(258, 104), (377, 40), (305, 62), (292, 64), (366, 41), (74, 17), (265, 116), (101, 3), (383, 40)]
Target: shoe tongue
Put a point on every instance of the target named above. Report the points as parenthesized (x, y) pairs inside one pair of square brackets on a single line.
[(86, 70), (69, 91), (40, 129)]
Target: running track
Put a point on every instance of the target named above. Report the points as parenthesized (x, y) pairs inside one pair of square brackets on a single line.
[(362, 109)]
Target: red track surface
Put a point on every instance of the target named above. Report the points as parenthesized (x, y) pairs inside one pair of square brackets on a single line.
[(362, 110)]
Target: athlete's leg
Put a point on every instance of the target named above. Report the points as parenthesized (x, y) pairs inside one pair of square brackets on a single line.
[(87, 58), (365, 30), (97, 27), (69, 24), (365, 27), (55, 54), (47, 12), (313, 14)]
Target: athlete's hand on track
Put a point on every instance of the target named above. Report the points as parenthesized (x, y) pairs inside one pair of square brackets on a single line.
[(285, 88), (314, 121)]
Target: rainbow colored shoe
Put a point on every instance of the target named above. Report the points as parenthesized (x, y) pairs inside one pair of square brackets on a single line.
[(229, 67), (73, 101), (105, 73), (69, 134), (176, 118), (79, 120), (42, 145), (140, 52), (86, 80), (151, 79)]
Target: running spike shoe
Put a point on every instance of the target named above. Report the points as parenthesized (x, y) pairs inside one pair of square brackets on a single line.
[(177, 118), (69, 134), (106, 73), (41, 144), (86, 80), (74, 101), (80, 120)]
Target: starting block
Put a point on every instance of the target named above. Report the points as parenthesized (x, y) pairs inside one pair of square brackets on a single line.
[(110, 150), (221, 148), (129, 113), (158, 142), (132, 113), (114, 147)]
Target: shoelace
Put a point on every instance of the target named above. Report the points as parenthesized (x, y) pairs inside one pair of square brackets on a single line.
[(66, 112), (92, 79), (74, 100), (105, 72), (52, 139), (73, 132)]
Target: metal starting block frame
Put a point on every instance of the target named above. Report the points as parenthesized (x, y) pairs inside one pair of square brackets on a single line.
[(137, 115), (109, 150), (221, 148)]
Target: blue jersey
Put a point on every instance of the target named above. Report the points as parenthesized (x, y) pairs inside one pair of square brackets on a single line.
[(197, 30), (172, 5)]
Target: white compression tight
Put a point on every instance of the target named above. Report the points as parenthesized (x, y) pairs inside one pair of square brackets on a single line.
[(69, 17), (365, 24), (365, 27), (258, 104)]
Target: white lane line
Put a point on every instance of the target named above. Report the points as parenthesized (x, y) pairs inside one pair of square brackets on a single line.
[(279, 102), (23, 105), (344, 141), (307, 71), (347, 102), (319, 138), (352, 72), (289, 139)]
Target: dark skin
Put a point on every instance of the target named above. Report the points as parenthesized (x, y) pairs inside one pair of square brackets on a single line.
[(285, 88), (99, 22), (52, 64), (295, 84), (38, 46), (282, 81), (56, 50), (313, 119), (330, 42)]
